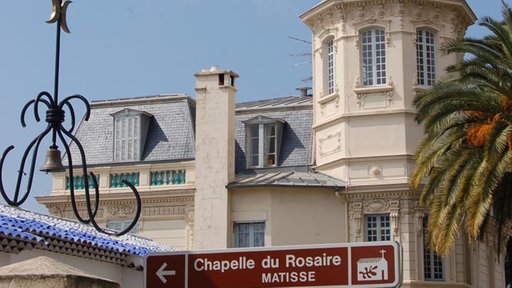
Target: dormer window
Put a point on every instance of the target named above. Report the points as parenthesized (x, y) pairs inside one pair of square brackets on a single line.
[(263, 141), (130, 131)]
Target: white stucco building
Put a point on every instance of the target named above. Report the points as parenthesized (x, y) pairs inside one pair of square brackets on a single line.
[(333, 167)]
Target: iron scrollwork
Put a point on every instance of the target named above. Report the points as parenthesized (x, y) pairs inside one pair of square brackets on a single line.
[(55, 118)]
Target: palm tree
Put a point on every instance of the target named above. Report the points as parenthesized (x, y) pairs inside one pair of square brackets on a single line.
[(465, 157)]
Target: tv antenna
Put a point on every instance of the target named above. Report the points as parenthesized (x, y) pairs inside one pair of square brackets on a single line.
[(302, 54)]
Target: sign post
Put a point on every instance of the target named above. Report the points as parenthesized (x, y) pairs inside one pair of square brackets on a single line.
[(368, 264)]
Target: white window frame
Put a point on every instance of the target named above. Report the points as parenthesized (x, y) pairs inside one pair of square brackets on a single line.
[(425, 57), (255, 234), (373, 57), (127, 138), (130, 132), (378, 227), (433, 264), (263, 141), (330, 66)]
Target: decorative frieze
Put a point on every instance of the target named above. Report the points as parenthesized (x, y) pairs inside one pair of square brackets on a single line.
[(328, 19), (376, 206), (68, 213), (364, 13), (164, 210), (408, 206), (383, 203), (121, 210)]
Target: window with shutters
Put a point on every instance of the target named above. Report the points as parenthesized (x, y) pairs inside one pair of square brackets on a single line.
[(130, 131)]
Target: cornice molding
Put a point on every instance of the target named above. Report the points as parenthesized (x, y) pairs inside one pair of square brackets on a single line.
[(399, 191), (369, 12)]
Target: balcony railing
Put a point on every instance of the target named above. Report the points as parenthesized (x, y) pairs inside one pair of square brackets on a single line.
[(168, 177), (116, 180), (145, 178), (79, 183)]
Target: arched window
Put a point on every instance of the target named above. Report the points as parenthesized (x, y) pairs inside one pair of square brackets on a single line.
[(425, 57), (373, 57), (330, 67)]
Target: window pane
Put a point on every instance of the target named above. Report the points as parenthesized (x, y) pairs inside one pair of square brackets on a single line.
[(259, 234), (330, 67), (262, 143), (249, 234), (253, 149), (378, 228), (373, 57), (432, 263), (270, 144), (425, 57)]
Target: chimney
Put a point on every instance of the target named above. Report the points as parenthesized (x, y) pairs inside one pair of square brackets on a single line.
[(215, 155), (303, 90)]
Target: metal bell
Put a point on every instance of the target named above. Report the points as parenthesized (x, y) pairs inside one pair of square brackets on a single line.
[(53, 161)]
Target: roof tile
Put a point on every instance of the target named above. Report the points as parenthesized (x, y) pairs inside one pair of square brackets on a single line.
[(54, 233)]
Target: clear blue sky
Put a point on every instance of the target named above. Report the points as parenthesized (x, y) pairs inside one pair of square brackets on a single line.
[(129, 48)]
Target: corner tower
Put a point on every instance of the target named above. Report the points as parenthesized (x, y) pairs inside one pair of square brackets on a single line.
[(370, 58)]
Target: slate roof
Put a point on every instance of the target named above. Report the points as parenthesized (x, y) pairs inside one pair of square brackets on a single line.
[(296, 111), (276, 103), (286, 177), (170, 134), (21, 229)]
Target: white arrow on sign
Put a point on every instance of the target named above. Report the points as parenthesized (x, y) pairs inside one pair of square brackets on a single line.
[(161, 273)]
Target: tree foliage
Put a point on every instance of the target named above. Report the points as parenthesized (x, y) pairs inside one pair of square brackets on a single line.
[(465, 157)]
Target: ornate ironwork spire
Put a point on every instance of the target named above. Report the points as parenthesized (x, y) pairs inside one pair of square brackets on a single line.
[(55, 118)]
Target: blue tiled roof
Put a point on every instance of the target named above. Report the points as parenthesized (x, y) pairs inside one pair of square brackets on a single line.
[(66, 236)]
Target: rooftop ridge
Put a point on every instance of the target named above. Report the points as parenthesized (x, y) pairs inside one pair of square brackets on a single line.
[(275, 103), (139, 99)]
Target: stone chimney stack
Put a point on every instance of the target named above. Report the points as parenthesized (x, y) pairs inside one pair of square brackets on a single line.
[(215, 156)]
